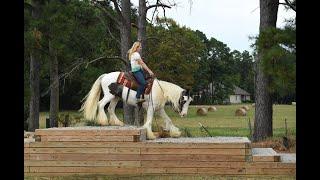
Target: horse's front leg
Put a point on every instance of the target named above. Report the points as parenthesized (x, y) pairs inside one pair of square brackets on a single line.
[(148, 124), (174, 131)]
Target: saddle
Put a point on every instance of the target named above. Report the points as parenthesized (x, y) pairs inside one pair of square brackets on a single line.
[(128, 80)]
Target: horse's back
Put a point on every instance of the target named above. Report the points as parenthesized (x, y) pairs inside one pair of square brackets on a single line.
[(109, 78)]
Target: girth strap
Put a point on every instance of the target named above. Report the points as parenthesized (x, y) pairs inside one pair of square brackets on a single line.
[(128, 95)]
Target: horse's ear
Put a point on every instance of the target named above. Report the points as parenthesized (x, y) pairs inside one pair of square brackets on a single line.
[(184, 92)]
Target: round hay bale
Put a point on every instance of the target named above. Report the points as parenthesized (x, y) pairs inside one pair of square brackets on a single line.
[(246, 108), (212, 108), (202, 112), (293, 103), (241, 112), (253, 105)]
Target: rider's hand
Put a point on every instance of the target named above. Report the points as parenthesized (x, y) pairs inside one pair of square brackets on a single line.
[(151, 73)]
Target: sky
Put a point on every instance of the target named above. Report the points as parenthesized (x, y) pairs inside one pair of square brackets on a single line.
[(229, 21)]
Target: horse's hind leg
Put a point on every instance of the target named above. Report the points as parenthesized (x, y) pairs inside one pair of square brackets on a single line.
[(102, 117), (113, 117)]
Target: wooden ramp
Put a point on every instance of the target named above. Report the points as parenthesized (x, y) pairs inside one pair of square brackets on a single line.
[(125, 150)]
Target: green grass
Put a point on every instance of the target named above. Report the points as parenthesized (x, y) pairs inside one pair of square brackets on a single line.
[(223, 122)]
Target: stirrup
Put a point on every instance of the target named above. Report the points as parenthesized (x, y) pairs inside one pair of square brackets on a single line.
[(140, 101)]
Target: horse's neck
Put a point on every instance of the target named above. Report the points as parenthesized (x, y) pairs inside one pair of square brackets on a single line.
[(168, 89)]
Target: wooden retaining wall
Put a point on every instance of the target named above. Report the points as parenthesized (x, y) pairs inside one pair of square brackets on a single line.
[(116, 150)]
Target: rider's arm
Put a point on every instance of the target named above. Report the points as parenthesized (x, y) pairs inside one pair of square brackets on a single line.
[(144, 66)]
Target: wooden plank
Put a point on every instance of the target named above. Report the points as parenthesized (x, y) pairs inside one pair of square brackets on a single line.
[(191, 157), (259, 158), (142, 144), (153, 172), (26, 144), (222, 171), (181, 170), (189, 164), (183, 163), (106, 170), (86, 144), (26, 169), (26, 156), (132, 157), (83, 163), (269, 165), (271, 171), (85, 157), (197, 145), (89, 132), (118, 150), (26, 150), (162, 171), (89, 138), (81, 175), (207, 171), (194, 151), (248, 152)]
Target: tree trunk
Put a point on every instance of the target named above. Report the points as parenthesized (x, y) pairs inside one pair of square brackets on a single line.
[(263, 98), (33, 122), (54, 87), (142, 29), (125, 35), (139, 118)]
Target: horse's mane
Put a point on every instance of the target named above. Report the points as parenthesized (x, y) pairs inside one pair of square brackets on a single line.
[(171, 92)]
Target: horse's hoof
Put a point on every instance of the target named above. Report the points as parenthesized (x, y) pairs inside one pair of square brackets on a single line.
[(151, 136), (120, 123), (103, 123), (175, 134), (112, 123)]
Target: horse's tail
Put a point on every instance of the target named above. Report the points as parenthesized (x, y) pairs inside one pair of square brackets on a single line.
[(90, 106)]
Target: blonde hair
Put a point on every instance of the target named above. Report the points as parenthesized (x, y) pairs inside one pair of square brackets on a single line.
[(133, 49)]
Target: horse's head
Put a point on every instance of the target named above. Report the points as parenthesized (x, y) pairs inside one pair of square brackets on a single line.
[(184, 102)]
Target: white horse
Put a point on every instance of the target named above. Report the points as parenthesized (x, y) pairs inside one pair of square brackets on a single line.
[(161, 93)]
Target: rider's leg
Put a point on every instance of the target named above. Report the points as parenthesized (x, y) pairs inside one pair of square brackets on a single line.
[(141, 82)]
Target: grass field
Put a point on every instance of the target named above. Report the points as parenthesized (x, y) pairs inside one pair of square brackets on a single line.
[(223, 122)]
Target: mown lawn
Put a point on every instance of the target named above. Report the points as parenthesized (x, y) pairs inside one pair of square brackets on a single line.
[(223, 122)]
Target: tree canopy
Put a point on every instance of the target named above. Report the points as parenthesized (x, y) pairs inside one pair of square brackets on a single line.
[(81, 32)]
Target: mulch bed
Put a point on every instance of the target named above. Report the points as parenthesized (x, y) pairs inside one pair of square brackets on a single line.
[(277, 145)]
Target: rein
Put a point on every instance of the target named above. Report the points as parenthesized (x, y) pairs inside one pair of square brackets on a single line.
[(160, 87)]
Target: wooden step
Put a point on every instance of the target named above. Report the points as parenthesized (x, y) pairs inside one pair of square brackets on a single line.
[(114, 150), (265, 155), (91, 134)]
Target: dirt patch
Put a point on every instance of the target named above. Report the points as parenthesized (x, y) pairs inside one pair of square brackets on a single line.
[(277, 145)]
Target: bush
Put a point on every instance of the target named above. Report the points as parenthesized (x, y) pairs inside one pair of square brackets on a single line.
[(247, 101)]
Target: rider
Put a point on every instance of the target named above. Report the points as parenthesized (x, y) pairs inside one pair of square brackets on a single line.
[(137, 66)]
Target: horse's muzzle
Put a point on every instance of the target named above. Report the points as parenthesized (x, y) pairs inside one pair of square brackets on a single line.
[(183, 115)]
